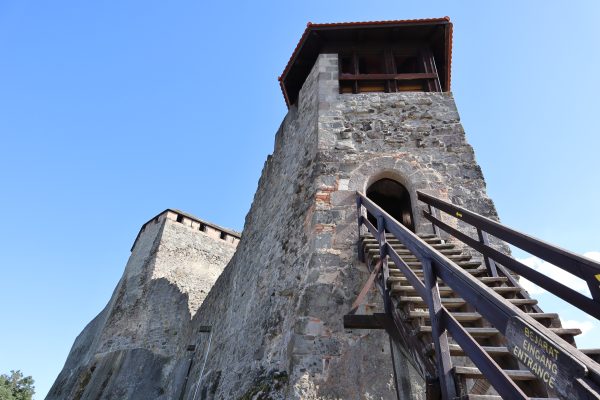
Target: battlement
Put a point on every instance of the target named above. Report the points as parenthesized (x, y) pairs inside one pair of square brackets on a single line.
[(208, 228)]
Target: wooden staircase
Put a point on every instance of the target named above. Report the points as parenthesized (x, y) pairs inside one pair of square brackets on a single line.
[(467, 324), (414, 312)]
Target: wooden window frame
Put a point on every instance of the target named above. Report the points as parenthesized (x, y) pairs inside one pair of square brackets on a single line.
[(391, 79)]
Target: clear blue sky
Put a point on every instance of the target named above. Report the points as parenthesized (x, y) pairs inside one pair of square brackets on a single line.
[(113, 111)]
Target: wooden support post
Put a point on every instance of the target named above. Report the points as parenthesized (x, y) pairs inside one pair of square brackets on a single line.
[(434, 212), (363, 293), (372, 321), (359, 216), (384, 262), (432, 388), (439, 334), (192, 349), (489, 263), (355, 70), (406, 378), (395, 369), (390, 68)]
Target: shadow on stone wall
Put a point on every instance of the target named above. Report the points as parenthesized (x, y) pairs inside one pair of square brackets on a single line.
[(134, 371)]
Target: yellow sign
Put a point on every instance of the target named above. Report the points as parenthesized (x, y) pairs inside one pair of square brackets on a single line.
[(544, 357), (539, 356)]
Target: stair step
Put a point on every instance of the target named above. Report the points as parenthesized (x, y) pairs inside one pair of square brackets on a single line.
[(419, 272), (396, 278), (415, 264), (395, 289), (493, 279), (594, 354), (462, 264), (590, 352), (453, 254), (397, 244), (445, 290), (460, 316), (506, 289), (455, 258), (458, 302), (425, 238), (523, 302), (476, 332), (450, 251), (487, 331), (433, 240), (456, 350), (449, 303), (402, 250), (475, 316), (514, 374), (399, 277), (368, 236), (442, 246)]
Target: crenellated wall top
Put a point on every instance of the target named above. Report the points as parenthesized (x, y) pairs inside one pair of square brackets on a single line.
[(208, 228)]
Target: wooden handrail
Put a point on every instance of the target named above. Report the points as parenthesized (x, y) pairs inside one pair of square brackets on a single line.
[(493, 307), (421, 250), (582, 267), (571, 296)]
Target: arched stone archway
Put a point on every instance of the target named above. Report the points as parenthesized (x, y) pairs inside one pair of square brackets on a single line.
[(394, 198), (405, 170)]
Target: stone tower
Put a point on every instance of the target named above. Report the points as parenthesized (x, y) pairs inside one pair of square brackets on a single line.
[(370, 110)]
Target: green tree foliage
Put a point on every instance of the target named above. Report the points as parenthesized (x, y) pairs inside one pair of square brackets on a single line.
[(16, 386)]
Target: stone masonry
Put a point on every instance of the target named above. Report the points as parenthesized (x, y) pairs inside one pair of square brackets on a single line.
[(277, 309), (130, 347), (275, 312)]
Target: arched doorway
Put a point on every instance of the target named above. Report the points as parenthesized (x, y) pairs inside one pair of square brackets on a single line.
[(394, 199)]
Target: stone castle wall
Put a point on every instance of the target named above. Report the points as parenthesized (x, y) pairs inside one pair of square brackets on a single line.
[(276, 312), (271, 325), (130, 347), (415, 138)]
